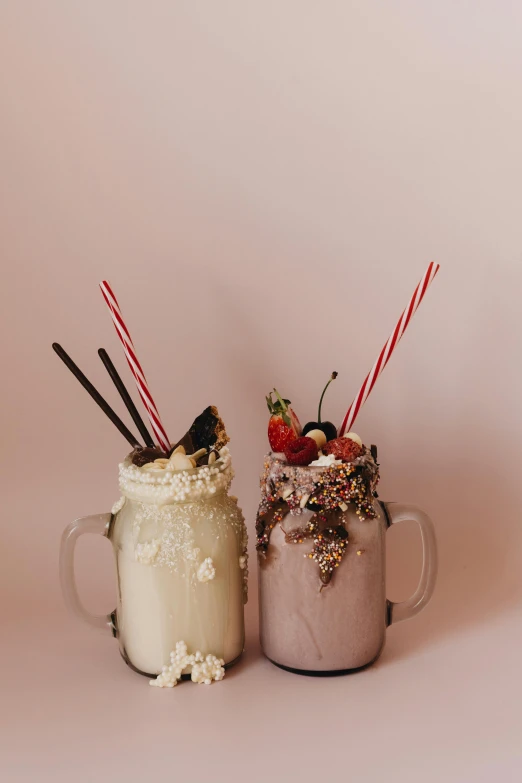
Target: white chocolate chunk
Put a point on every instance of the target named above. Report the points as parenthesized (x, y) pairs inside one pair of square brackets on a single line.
[(318, 436), (179, 461), (197, 454), (150, 466)]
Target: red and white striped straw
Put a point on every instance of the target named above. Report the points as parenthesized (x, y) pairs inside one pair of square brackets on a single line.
[(384, 356), (135, 366)]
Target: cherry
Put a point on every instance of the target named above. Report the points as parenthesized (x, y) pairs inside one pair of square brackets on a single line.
[(329, 429)]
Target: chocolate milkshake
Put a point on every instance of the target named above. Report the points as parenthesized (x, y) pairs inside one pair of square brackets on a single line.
[(321, 543), (321, 575)]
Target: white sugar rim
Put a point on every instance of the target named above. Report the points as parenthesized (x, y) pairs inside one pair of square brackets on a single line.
[(137, 474), (165, 486)]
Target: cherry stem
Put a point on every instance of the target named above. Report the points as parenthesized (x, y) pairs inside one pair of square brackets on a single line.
[(332, 378)]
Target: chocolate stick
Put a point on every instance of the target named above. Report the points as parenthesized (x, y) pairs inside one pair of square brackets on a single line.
[(127, 399), (87, 385)]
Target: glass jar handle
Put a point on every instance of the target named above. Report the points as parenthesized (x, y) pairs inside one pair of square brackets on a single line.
[(96, 523), (400, 512)]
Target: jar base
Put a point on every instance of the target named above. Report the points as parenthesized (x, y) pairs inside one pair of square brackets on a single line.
[(329, 673), (153, 676)]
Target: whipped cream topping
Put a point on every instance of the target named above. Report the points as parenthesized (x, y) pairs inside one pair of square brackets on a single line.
[(325, 461), (164, 485)]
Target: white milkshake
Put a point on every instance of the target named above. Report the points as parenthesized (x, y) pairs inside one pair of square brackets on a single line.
[(180, 543)]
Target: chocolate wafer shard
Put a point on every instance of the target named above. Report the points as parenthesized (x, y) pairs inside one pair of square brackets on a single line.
[(141, 456), (187, 443), (209, 458), (207, 432)]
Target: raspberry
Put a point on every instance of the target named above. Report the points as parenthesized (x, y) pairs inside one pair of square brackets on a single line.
[(301, 451), (343, 448)]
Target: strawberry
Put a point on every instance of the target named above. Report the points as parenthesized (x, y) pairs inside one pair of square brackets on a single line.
[(283, 426)]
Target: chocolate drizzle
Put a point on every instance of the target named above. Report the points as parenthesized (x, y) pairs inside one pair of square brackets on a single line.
[(325, 491), (141, 456), (330, 544), (265, 523)]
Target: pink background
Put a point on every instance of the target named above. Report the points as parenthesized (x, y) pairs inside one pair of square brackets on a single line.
[(264, 184)]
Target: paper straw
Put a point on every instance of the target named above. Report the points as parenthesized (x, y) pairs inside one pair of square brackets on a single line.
[(135, 366), (389, 347)]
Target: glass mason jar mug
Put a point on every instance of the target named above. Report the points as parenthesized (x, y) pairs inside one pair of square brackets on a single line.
[(180, 545), (321, 536)]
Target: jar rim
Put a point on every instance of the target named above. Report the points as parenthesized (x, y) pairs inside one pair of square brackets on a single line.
[(164, 487), (127, 463)]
